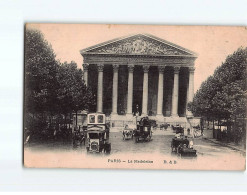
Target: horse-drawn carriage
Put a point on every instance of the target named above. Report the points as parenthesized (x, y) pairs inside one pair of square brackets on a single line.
[(178, 129), (183, 147), (128, 132), (143, 130)]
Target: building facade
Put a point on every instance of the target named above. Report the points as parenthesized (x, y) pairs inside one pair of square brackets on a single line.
[(140, 74)]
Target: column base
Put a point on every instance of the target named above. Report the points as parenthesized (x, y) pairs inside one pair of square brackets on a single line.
[(160, 117), (144, 115), (174, 116), (129, 115), (114, 115)]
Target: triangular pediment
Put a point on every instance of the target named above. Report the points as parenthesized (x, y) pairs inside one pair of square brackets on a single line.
[(140, 44)]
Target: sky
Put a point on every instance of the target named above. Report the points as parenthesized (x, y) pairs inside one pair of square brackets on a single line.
[(212, 43)]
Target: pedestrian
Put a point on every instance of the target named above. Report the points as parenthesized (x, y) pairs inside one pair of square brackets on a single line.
[(191, 144), (188, 131), (202, 131)]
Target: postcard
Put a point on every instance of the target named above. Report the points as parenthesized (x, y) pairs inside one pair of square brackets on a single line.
[(115, 96)]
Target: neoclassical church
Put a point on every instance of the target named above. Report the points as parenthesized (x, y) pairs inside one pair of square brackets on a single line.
[(140, 75)]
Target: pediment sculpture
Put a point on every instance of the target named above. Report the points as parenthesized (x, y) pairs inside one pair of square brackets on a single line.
[(139, 45)]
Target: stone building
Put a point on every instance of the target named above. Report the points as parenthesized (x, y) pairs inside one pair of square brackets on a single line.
[(140, 74)]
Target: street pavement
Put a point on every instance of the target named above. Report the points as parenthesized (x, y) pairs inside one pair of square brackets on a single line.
[(161, 142)]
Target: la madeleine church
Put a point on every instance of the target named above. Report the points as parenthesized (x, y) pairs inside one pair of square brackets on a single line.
[(140, 75)]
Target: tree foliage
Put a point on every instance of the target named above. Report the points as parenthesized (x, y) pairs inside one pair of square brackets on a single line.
[(40, 73), (223, 95), (51, 88), (72, 94)]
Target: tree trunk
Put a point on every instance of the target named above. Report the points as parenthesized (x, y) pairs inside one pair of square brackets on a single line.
[(50, 120), (234, 130), (69, 119), (33, 122), (76, 118), (201, 123), (65, 121), (217, 130)]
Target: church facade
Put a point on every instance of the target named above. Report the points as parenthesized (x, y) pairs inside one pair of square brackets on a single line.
[(140, 75)]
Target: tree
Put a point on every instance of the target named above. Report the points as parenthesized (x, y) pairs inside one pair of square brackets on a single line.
[(223, 95), (73, 95), (40, 73), (52, 89)]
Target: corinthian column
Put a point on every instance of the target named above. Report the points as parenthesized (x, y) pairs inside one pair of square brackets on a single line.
[(130, 90), (145, 90), (175, 92), (190, 89), (85, 73), (115, 88), (160, 91), (100, 88)]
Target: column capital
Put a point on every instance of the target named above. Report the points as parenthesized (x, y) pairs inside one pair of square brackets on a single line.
[(85, 66), (176, 69), (100, 67), (145, 68), (191, 69), (131, 67), (115, 67), (161, 69)]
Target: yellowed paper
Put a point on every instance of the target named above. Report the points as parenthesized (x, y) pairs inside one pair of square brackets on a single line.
[(133, 72)]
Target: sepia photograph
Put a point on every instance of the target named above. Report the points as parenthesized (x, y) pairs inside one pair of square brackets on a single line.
[(111, 96)]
